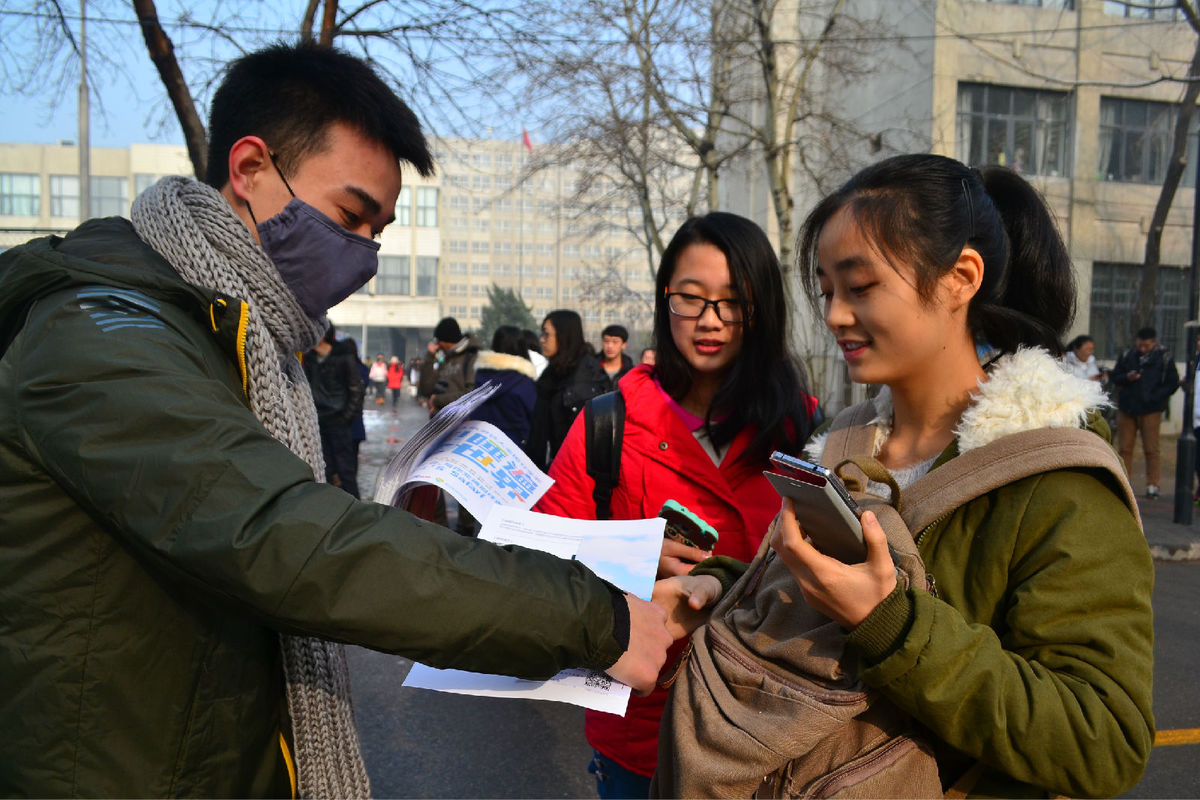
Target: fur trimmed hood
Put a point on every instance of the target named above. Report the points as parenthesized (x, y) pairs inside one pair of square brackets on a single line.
[(490, 359), (1025, 390)]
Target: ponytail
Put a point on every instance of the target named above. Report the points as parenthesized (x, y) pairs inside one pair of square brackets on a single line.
[(923, 209)]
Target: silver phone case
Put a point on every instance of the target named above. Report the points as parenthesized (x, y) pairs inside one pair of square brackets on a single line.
[(824, 517)]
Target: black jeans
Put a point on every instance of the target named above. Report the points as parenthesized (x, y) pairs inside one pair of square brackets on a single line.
[(341, 459)]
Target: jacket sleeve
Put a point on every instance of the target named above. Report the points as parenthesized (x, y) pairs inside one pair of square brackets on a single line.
[(429, 376), (1052, 686), (1170, 380), (354, 389), (150, 435)]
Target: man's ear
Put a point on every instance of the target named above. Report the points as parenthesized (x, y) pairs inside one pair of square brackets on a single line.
[(249, 158), (964, 278)]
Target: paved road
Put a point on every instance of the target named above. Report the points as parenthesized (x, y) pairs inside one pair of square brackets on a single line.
[(428, 744)]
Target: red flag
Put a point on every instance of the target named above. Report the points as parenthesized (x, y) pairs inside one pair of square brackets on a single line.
[(525, 139)]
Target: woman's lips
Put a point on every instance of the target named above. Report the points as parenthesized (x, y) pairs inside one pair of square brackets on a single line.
[(708, 347), (852, 349)]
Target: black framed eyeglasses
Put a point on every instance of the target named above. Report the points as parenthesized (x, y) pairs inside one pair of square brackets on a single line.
[(689, 306)]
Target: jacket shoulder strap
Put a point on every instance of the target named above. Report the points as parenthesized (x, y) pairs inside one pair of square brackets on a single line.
[(604, 426)]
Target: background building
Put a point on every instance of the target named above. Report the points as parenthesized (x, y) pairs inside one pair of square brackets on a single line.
[(1068, 92), (483, 220)]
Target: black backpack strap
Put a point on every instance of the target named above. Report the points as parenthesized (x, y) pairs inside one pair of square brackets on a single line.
[(604, 423)]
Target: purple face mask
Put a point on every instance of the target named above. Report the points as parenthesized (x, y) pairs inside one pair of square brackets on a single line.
[(319, 260)]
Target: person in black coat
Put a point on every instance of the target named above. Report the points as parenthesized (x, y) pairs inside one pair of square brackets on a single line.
[(337, 390), (573, 377), (1145, 377)]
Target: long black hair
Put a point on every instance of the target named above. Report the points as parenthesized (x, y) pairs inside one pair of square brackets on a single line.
[(568, 338), (764, 386), (922, 210)]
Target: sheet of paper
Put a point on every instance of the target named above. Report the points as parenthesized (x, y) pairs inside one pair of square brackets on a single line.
[(624, 552), (481, 468)]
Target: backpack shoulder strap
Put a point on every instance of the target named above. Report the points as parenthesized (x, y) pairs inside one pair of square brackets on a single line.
[(850, 434), (1010, 458), (604, 426)]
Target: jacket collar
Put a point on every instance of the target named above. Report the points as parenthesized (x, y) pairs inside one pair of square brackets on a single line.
[(490, 359), (1025, 390)]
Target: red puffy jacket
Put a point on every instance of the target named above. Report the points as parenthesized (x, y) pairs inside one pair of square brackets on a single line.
[(661, 460)]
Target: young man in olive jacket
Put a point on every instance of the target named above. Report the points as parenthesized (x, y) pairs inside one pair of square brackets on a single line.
[(160, 524)]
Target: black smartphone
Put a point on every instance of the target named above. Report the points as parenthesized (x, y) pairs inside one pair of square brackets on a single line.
[(824, 508), (684, 526)]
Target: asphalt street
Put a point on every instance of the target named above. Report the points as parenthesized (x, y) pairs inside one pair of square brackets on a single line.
[(419, 743)]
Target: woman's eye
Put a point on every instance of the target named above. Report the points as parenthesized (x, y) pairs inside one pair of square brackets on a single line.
[(858, 290)]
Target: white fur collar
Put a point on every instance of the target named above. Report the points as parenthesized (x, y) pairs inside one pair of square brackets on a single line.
[(1025, 390), (490, 359)]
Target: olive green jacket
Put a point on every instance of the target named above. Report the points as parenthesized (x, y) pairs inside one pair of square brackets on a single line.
[(154, 539), (1036, 655)]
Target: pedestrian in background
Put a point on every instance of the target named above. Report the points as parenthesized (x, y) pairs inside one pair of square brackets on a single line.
[(378, 375), (699, 427), (510, 407), (612, 353), (1146, 378), (1080, 358), (572, 377), (395, 379), (649, 356), (332, 369), (448, 371)]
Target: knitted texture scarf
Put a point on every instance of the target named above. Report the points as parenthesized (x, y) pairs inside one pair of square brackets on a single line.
[(192, 226)]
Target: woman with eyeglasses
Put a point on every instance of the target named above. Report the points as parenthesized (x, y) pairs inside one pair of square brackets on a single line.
[(572, 376), (699, 426)]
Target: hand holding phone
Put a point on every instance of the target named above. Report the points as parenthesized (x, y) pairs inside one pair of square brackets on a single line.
[(684, 526), (825, 510)]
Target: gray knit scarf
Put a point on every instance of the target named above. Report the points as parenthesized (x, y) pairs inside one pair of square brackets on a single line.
[(193, 227)]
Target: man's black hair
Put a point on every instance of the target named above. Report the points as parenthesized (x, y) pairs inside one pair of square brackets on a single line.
[(616, 330), (289, 95), (1147, 333)]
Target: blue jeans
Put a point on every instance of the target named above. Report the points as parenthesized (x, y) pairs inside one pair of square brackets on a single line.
[(614, 782)]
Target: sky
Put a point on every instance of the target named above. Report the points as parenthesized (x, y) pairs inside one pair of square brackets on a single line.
[(128, 102)]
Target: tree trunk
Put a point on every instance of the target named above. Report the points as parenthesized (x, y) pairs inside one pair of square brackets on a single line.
[(162, 53), (1143, 311)]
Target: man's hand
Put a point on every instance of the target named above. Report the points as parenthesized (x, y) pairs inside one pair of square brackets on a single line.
[(678, 559), (648, 643), (432, 348), (687, 600)]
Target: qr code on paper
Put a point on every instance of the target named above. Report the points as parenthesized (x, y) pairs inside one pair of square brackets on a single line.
[(598, 680)]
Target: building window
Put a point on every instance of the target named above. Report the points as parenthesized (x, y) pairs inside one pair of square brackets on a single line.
[(459, 202), (427, 199), (1135, 141), (481, 182), (64, 196), (20, 194), (393, 276), (457, 245), (1024, 129), (479, 268), (482, 224), (458, 268), (426, 273), (1114, 293), (481, 246), (109, 196), (143, 181), (1142, 9), (404, 207), (481, 160)]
